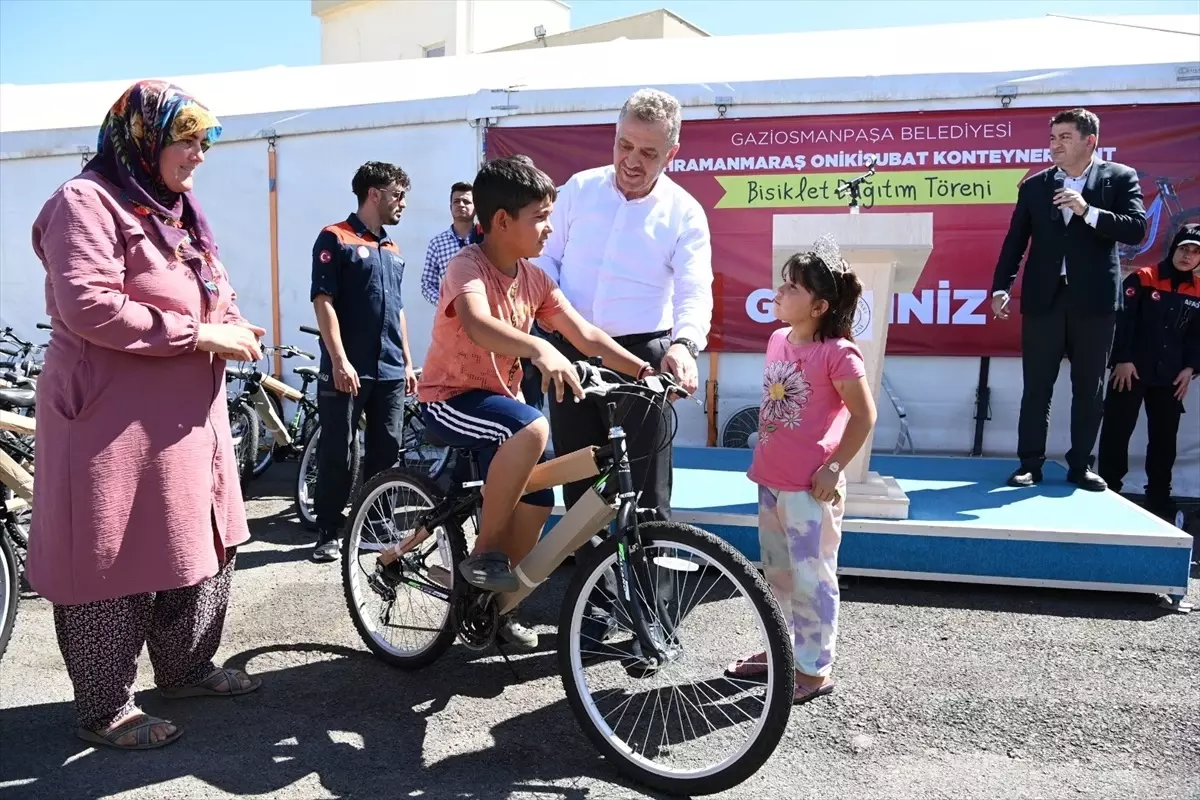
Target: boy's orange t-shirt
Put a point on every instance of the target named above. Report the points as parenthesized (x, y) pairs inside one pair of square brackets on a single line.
[(455, 364)]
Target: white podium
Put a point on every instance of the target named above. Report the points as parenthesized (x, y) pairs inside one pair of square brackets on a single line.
[(888, 252)]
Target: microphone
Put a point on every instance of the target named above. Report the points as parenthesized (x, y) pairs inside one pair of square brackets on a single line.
[(1060, 179)]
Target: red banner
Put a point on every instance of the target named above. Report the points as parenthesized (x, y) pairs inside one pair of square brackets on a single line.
[(963, 166)]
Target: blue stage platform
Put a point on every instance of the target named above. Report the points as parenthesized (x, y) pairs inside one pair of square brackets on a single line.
[(964, 525)]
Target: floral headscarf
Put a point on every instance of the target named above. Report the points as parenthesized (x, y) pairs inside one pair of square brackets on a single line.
[(149, 116)]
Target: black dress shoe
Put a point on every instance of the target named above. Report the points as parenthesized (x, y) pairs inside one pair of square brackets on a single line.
[(1025, 476), (1086, 479)]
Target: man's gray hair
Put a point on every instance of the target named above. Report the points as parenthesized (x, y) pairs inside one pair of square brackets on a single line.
[(651, 105)]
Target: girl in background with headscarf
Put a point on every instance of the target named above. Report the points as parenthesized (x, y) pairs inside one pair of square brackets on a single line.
[(137, 506), (1155, 357)]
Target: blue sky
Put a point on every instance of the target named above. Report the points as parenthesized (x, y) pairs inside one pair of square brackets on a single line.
[(55, 41)]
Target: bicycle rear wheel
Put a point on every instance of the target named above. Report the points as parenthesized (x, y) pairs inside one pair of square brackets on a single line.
[(618, 701), (243, 425), (10, 590), (307, 477), (386, 513)]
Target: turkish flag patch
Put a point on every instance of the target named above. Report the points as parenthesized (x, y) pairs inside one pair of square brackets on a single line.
[(1155, 296), (1130, 292), (325, 256)]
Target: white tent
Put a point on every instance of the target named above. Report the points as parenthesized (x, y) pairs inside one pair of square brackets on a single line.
[(430, 116)]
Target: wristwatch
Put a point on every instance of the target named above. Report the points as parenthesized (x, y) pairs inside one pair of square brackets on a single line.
[(691, 346), (834, 466)]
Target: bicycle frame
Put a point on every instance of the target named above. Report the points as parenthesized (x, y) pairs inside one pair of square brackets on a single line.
[(12, 474), (601, 505), (596, 510)]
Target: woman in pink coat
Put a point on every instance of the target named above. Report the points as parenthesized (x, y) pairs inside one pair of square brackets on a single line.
[(137, 507)]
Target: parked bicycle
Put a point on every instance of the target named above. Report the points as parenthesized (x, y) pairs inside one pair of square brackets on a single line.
[(415, 452), (16, 478), (407, 537)]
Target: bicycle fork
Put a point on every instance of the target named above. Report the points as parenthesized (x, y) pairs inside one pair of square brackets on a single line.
[(631, 557)]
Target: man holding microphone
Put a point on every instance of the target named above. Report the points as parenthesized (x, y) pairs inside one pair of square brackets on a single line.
[(1071, 217)]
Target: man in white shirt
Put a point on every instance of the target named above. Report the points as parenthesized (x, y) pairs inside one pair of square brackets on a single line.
[(631, 250)]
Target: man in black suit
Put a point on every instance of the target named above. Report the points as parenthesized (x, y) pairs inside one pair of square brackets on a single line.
[(1074, 213)]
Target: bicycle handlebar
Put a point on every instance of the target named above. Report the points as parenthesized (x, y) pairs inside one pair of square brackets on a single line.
[(8, 334), (592, 377), (287, 351), (309, 329), (44, 326)]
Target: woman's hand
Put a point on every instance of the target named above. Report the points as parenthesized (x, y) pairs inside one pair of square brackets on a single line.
[(233, 342), (825, 485), (1123, 375)]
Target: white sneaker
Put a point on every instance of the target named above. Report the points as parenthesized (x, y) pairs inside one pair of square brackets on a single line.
[(517, 634)]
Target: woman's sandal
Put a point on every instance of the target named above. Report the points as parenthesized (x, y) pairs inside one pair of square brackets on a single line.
[(231, 678), (803, 694), (747, 667), (141, 724)]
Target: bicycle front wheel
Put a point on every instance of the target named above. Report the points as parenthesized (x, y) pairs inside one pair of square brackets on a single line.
[(685, 727)]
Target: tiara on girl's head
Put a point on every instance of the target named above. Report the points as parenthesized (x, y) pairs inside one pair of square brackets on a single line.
[(826, 249)]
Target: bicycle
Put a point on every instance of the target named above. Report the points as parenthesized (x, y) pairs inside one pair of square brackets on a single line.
[(16, 468), (243, 427), (644, 645), (415, 452), (1166, 206), (277, 440)]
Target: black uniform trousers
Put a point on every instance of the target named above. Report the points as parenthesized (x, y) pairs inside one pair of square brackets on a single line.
[(1121, 411), (648, 440), (382, 403), (1083, 338)]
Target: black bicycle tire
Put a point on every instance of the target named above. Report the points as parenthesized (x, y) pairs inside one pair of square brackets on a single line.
[(245, 463), (8, 566), (445, 638), (355, 475), (779, 638)]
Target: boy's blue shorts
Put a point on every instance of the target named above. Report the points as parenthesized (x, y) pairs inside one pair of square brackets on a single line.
[(480, 420)]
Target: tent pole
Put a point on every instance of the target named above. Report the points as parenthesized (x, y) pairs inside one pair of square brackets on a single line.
[(710, 397), (273, 201)]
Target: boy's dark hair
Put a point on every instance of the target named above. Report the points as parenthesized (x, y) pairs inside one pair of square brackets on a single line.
[(509, 183), (461, 186), (376, 175), (1087, 123), (839, 287)]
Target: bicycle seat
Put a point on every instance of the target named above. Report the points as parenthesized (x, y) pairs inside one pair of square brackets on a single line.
[(307, 372), (17, 398)]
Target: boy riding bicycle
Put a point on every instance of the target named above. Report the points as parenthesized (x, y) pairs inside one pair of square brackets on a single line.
[(471, 385)]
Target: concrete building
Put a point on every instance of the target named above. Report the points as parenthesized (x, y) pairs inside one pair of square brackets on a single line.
[(658, 24), (385, 30)]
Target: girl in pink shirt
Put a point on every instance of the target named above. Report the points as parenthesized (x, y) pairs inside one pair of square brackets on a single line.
[(816, 413)]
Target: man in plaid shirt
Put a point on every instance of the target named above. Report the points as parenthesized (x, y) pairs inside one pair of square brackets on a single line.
[(445, 245)]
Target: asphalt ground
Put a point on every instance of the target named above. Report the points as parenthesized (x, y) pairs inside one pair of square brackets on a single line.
[(944, 690)]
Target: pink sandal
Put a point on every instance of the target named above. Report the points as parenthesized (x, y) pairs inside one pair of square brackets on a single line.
[(749, 667)]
